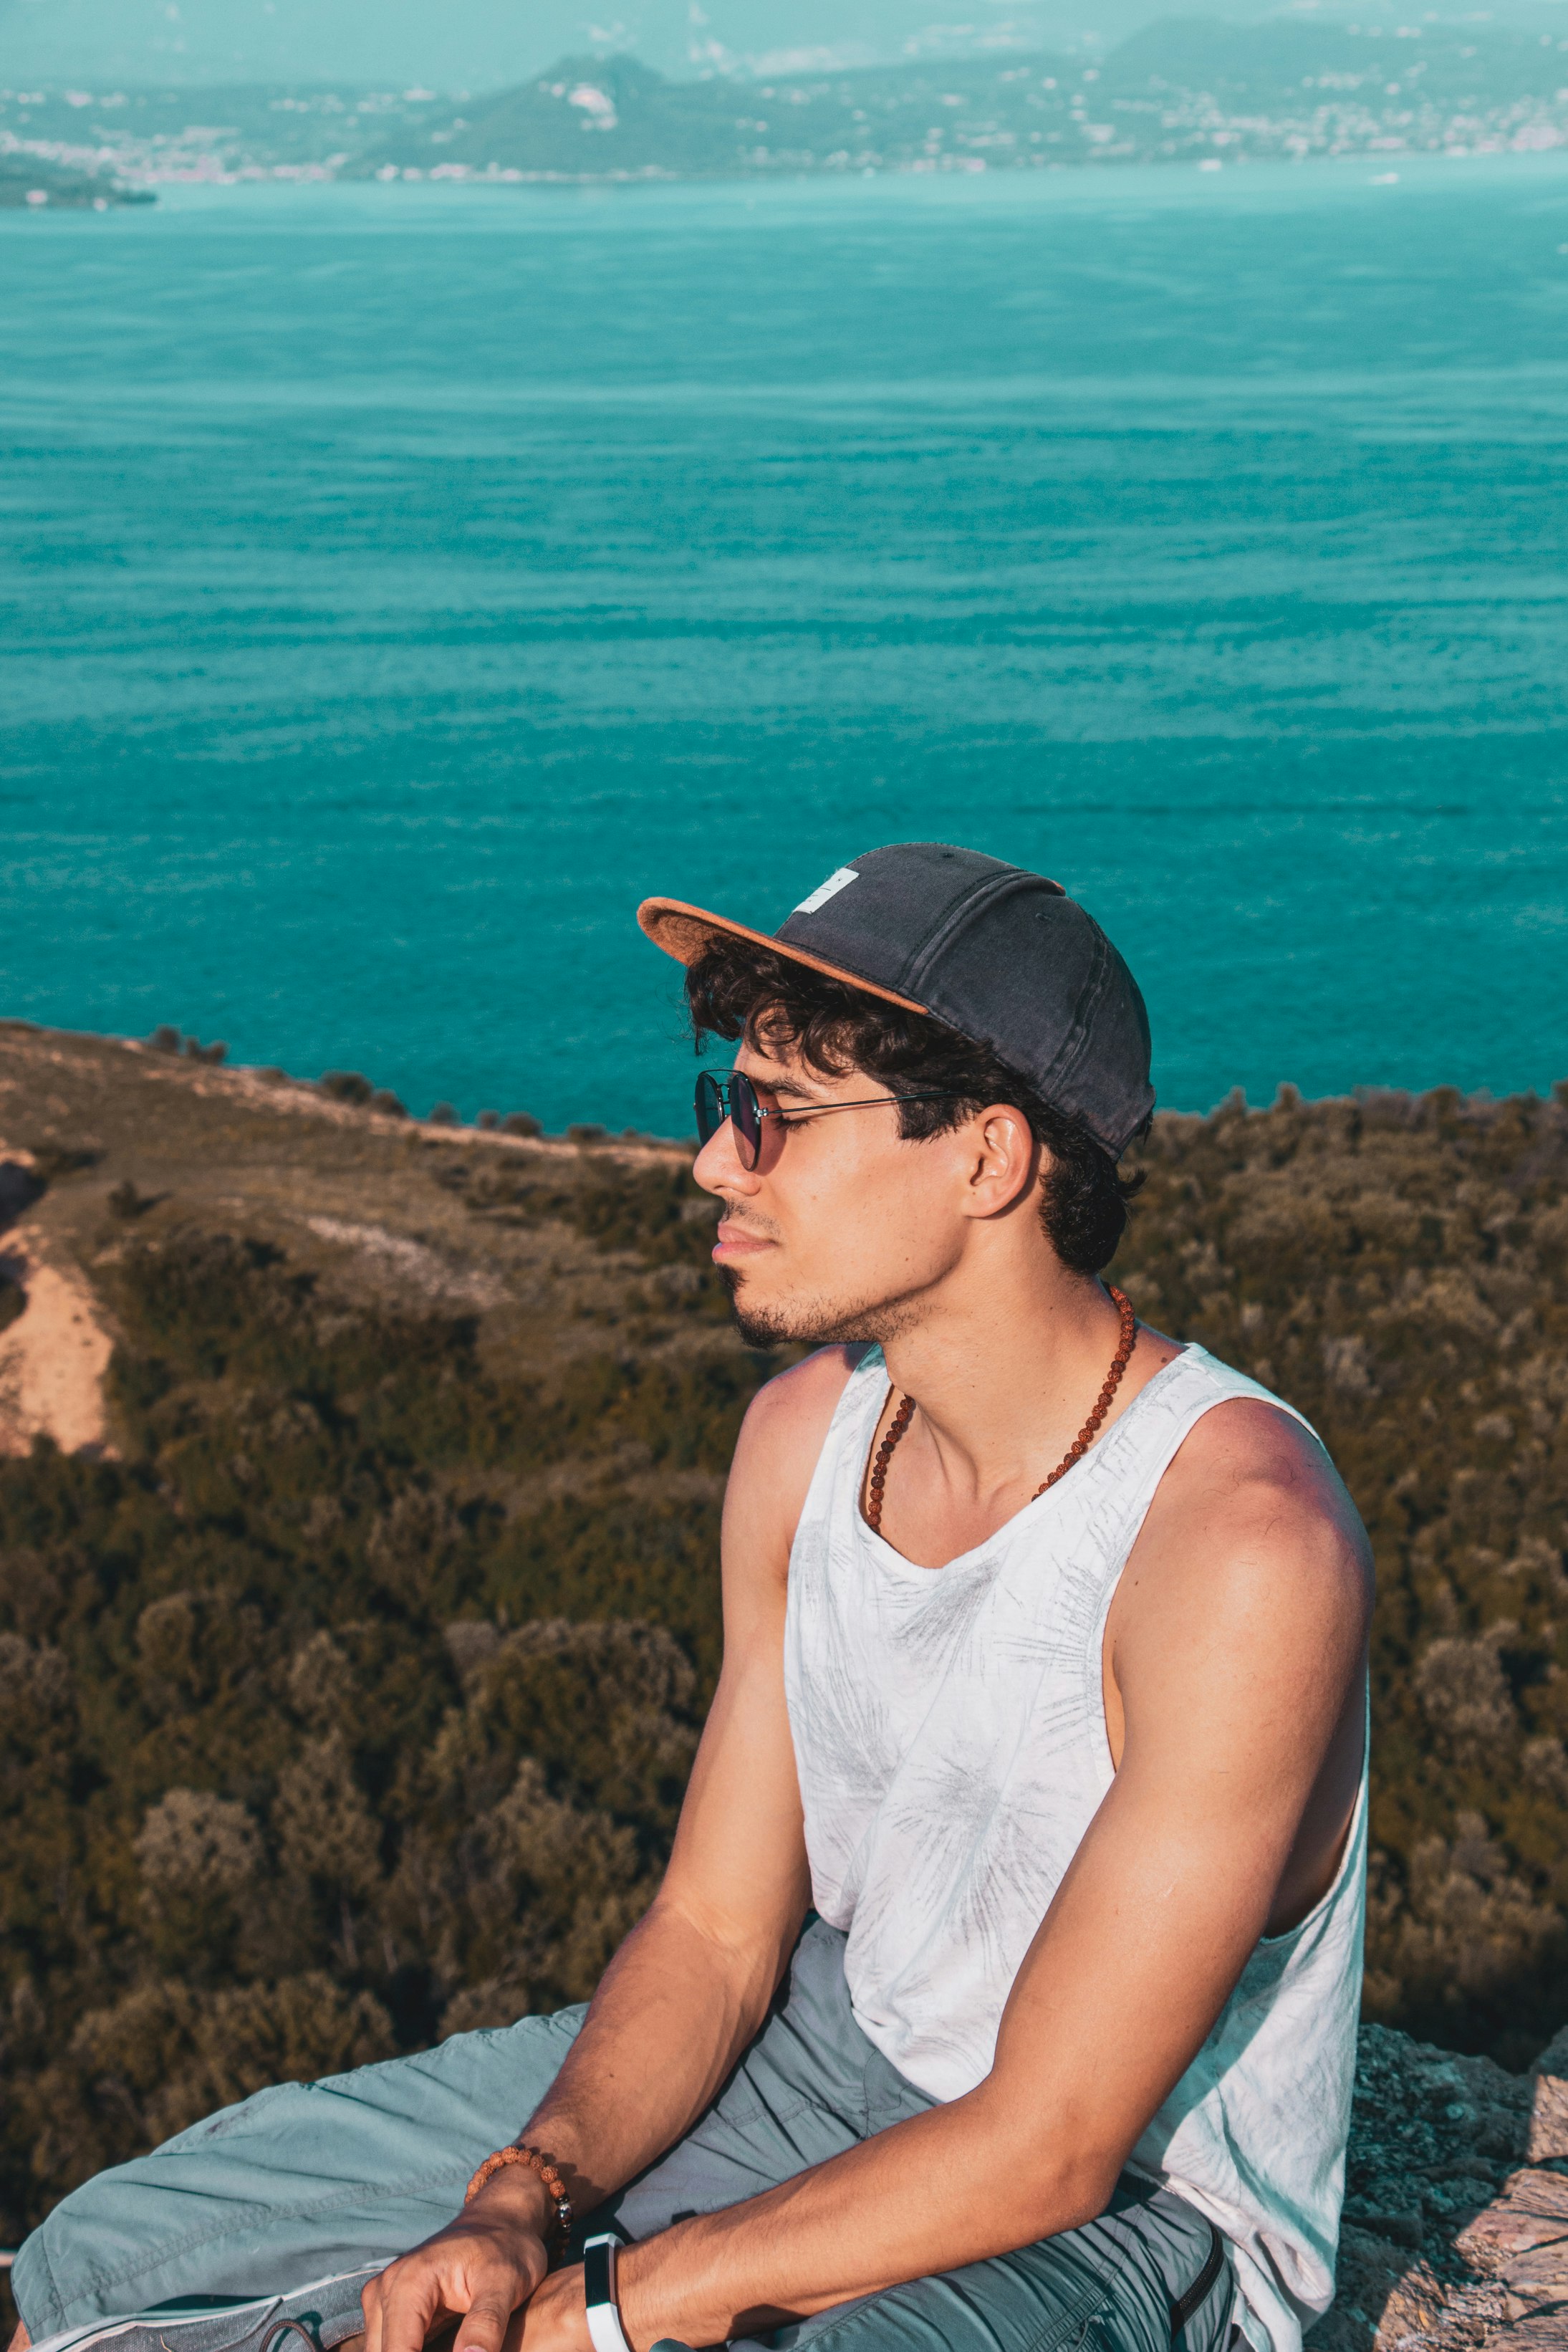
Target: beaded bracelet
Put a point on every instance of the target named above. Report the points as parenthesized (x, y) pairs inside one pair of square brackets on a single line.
[(536, 2161)]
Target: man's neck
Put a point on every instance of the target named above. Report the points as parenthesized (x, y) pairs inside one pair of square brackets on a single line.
[(1005, 1376)]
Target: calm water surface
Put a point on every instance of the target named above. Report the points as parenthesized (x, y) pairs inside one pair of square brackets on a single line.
[(398, 583)]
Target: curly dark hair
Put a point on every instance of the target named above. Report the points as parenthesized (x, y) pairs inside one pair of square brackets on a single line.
[(737, 989)]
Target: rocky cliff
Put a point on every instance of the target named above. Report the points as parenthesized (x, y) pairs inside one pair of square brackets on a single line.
[(1456, 2218)]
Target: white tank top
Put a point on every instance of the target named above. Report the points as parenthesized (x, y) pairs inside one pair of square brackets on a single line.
[(949, 1732)]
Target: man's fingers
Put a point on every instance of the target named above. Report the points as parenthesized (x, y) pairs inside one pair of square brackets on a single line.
[(373, 2307), (411, 2303), (441, 2282), (484, 2328)]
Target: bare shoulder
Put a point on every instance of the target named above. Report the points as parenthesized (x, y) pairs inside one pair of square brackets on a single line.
[(1248, 1462), (1253, 1514), (781, 1440), (797, 1405)]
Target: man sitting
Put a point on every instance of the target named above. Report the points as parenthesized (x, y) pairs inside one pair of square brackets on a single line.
[(1002, 1988)]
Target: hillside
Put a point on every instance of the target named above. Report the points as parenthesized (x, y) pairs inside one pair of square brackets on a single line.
[(1189, 90), (401, 1452), (1184, 90)]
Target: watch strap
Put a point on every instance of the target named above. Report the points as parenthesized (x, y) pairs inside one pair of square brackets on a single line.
[(605, 2331)]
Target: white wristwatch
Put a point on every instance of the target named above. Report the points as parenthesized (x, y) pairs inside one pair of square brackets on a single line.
[(598, 2285)]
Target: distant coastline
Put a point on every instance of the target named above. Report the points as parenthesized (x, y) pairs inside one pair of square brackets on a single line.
[(30, 182), (1193, 92)]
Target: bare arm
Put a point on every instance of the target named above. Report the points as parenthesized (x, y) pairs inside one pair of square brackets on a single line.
[(1239, 1664), (690, 1986)]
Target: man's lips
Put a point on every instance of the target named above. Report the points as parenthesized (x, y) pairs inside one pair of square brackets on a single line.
[(737, 1242)]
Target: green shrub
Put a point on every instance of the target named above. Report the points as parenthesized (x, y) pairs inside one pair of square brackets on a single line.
[(351, 1703)]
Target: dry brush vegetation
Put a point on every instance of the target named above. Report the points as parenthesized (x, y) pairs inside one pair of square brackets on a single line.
[(348, 1703)]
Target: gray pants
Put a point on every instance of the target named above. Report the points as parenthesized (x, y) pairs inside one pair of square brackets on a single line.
[(328, 2181)]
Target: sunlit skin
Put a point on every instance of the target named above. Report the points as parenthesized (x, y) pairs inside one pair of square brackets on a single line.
[(1233, 1673)]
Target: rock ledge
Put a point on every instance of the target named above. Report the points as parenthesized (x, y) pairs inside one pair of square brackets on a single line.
[(1456, 2216)]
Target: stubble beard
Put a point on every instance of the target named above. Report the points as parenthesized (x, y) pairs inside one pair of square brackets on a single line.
[(819, 1322)]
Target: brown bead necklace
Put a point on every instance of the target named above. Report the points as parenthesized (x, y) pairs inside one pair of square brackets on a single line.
[(1075, 1452)]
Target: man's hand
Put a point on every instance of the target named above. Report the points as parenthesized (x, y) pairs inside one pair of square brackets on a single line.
[(479, 2270)]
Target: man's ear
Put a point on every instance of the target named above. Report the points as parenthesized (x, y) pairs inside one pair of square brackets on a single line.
[(1004, 1160)]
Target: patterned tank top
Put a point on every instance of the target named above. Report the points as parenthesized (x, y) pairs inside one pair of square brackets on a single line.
[(949, 1732)]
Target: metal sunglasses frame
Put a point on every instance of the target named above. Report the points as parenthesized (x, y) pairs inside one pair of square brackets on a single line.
[(748, 1148)]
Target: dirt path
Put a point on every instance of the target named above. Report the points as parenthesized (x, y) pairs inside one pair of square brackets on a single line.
[(53, 1356)]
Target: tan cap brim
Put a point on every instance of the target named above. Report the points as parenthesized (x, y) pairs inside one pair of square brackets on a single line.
[(683, 931)]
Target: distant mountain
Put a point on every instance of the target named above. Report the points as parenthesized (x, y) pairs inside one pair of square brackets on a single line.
[(1183, 90), (618, 119)]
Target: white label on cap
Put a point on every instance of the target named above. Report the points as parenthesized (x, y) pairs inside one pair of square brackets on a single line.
[(828, 889)]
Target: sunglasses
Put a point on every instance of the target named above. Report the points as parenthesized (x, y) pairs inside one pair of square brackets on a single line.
[(735, 1099)]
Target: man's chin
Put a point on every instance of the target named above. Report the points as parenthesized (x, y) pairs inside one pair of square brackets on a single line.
[(813, 1322), (758, 1326)]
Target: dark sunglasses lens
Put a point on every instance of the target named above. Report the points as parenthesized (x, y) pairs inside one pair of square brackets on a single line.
[(747, 1116), (710, 1108)]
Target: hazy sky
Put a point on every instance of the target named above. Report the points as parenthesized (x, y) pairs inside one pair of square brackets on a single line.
[(478, 44), (484, 44)]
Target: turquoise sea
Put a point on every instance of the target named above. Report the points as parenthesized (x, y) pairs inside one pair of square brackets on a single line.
[(398, 583)]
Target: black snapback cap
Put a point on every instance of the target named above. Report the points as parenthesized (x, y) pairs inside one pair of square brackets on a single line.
[(1001, 955)]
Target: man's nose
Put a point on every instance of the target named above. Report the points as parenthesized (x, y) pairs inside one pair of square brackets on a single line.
[(717, 1166)]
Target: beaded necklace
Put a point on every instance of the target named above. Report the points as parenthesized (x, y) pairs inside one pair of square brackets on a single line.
[(1075, 1452)]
